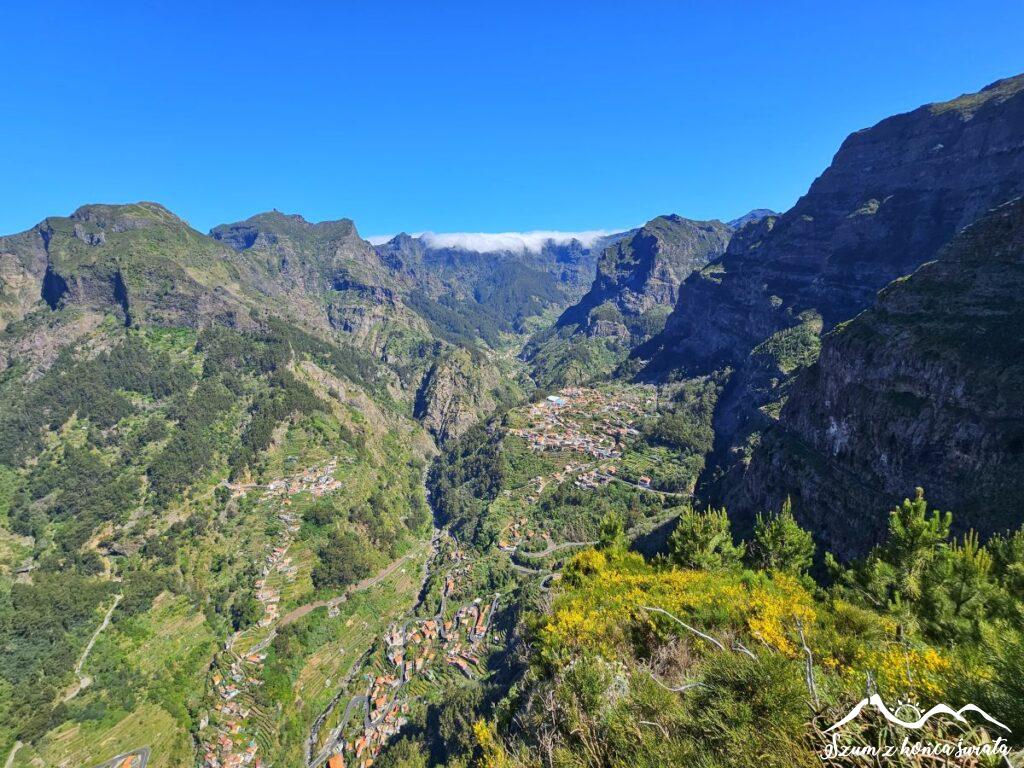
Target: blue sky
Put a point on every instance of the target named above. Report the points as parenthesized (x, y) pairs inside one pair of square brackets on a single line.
[(464, 116)]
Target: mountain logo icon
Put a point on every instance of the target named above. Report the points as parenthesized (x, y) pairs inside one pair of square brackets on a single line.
[(874, 700)]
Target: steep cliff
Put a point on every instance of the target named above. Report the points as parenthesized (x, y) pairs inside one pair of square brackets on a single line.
[(636, 285), (140, 261), (316, 257), (893, 195), (926, 388), (455, 393), (639, 276)]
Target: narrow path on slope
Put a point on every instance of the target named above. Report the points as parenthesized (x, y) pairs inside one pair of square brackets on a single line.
[(85, 680), (10, 756), (370, 581)]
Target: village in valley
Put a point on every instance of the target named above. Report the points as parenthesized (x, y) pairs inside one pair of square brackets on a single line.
[(596, 422), (589, 432), (417, 654)]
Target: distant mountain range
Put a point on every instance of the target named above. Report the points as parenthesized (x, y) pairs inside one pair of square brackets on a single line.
[(676, 298)]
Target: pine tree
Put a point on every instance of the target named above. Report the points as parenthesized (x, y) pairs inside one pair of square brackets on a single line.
[(915, 540), (703, 540), (780, 544), (612, 534)]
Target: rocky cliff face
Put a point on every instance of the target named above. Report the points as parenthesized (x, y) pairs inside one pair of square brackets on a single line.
[(139, 261), (892, 196), (636, 284), (926, 388), (328, 274), (455, 393), (313, 257), (641, 274)]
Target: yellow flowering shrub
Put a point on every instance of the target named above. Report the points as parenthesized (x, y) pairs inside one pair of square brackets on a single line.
[(773, 612), (900, 670), (494, 755), (604, 598)]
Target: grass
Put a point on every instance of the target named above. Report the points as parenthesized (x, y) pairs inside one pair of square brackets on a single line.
[(172, 630), (85, 745)]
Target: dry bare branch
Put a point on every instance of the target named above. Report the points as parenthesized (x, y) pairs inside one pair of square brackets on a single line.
[(686, 626)]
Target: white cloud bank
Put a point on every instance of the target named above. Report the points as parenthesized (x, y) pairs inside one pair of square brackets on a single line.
[(490, 242)]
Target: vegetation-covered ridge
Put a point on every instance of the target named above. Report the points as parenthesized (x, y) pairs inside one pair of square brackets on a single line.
[(133, 532), (716, 654)]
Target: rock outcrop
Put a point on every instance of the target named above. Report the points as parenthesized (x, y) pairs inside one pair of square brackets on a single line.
[(454, 394), (893, 195), (636, 285), (138, 261), (926, 388), (638, 277)]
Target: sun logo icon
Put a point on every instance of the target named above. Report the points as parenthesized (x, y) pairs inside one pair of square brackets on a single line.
[(907, 709)]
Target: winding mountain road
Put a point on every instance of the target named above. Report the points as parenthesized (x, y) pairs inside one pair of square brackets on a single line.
[(553, 548)]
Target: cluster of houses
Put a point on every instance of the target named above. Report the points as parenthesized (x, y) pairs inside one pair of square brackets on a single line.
[(230, 747), (589, 421), (223, 754), (411, 649), (316, 480), (475, 620), (584, 420), (514, 534), (595, 478), (567, 437), (385, 716), (277, 560)]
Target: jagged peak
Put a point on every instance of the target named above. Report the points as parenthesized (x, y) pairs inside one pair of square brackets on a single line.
[(751, 217), (273, 225)]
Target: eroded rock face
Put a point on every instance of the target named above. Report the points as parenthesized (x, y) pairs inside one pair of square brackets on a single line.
[(926, 388), (643, 272), (307, 257), (893, 195), (454, 394), (139, 261)]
